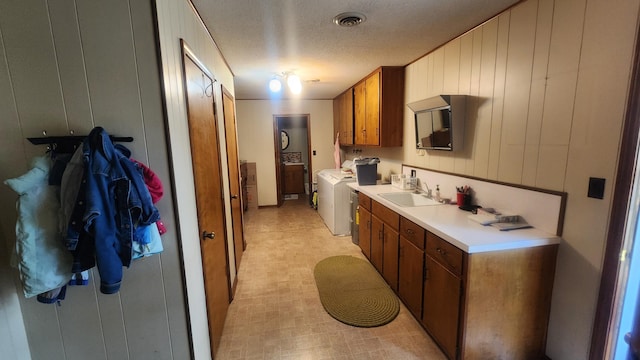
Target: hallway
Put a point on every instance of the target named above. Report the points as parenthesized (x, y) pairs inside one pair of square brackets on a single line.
[(276, 312)]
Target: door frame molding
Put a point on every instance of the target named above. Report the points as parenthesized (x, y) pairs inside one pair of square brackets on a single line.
[(278, 154), (186, 51), (622, 191)]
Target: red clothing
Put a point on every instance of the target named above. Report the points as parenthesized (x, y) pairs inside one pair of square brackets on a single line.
[(152, 181)]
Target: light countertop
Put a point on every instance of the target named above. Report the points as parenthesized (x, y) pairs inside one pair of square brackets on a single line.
[(454, 226)]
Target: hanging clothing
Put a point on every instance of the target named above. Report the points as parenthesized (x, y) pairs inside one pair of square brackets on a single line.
[(149, 243), (43, 262), (116, 202)]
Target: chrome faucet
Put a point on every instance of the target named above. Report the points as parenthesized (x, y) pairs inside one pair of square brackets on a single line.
[(426, 190)]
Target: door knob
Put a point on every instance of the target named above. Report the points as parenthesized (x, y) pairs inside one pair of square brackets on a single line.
[(206, 235), (234, 196)]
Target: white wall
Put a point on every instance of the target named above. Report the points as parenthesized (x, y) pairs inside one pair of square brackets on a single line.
[(71, 66), (548, 82), (177, 20), (256, 140)]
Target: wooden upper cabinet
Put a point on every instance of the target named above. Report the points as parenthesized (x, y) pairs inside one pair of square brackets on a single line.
[(378, 103), (359, 113), (343, 117), (372, 110)]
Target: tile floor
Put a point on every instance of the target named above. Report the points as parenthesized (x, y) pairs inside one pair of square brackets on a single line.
[(276, 312)]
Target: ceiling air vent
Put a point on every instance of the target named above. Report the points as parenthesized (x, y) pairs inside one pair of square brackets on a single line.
[(349, 19)]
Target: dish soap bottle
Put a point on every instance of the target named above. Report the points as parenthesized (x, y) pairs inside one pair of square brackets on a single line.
[(437, 195)]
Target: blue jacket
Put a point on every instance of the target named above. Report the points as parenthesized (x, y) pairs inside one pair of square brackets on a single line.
[(116, 204)]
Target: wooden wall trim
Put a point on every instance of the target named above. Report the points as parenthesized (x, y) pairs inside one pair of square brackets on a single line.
[(619, 212)]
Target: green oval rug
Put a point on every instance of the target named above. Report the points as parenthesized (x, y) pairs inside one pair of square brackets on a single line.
[(352, 291)]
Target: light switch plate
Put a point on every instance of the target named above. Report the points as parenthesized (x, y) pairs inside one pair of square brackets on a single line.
[(596, 188)]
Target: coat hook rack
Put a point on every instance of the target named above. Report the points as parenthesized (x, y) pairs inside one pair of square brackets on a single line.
[(68, 144)]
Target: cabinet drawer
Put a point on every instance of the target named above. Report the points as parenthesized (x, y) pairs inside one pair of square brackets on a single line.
[(412, 232), (446, 254), (385, 214), (364, 201)]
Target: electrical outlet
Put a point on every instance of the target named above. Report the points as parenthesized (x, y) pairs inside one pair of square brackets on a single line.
[(596, 188), (314, 153)]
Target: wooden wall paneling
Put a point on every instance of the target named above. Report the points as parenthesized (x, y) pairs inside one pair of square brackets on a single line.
[(13, 162), (530, 156), (144, 311), (537, 95), (602, 93), (517, 90), (537, 92), (564, 58), (466, 69), (121, 115), (468, 149), (465, 62), (45, 342), (111, 69), (567, 36), (438, 71), (73, 79), (30, 54), (429, 73), (482, 134), (504, 22), (13, 338), (81, 324), (112, 321), (451, 73), (155, 140)]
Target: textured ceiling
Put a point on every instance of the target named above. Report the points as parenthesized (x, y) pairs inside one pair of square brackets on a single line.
[(262, 38)]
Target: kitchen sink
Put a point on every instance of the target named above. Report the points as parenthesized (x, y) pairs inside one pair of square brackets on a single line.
[(408, 199)]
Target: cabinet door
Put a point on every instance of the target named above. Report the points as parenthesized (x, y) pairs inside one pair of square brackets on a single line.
[(390, 257), (293, 179), (298, 179), (377, 236), (346, 117), (359, 118), (410, 271), (364, 240), (441, 307), (337, 117), (372, 112)]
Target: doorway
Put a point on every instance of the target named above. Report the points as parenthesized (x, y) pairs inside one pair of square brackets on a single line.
[(292, 139), (229, 112), (207, 173)]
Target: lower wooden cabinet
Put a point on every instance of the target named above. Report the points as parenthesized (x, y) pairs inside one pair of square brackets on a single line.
[(488, 305), (293, 179), (364, 229), (390, 241), (441, 306), (384, 242), (410, 276)]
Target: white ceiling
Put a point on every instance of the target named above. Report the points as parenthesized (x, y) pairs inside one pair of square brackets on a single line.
[(262, 38)]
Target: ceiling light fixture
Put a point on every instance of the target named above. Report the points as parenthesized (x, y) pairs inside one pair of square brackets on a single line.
[(349, 19), (275, 85), (293, 82)]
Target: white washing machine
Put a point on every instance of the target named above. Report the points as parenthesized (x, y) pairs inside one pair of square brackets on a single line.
[(334, 200)]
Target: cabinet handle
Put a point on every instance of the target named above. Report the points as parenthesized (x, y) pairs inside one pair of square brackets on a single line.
[(441, 252), (409, 231)]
